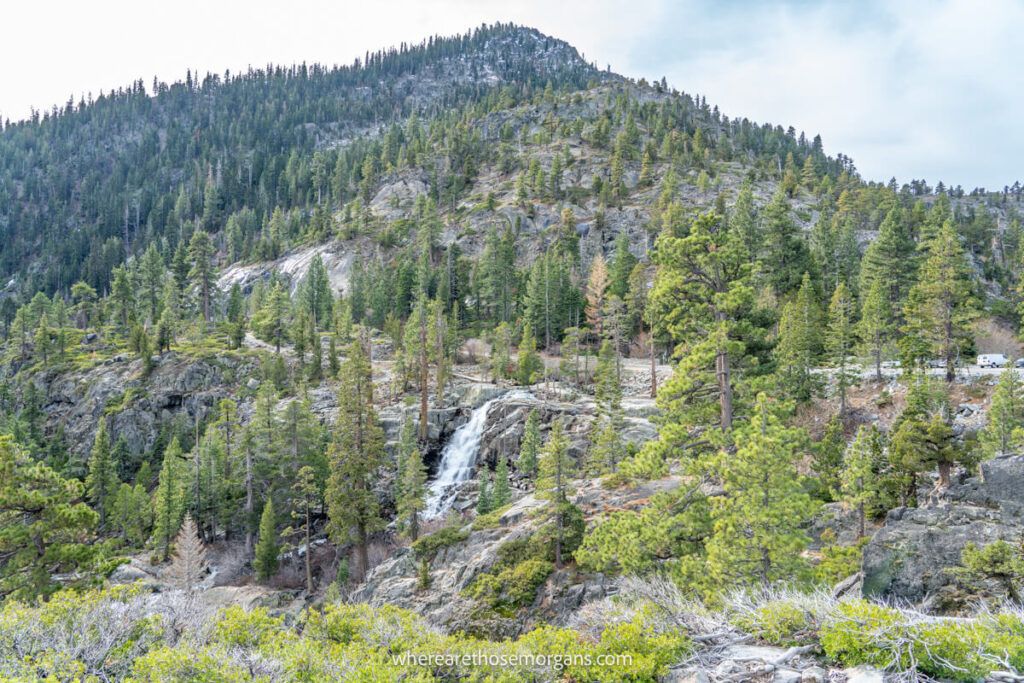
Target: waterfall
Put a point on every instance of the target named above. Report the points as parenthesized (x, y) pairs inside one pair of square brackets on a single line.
[(458, 460)]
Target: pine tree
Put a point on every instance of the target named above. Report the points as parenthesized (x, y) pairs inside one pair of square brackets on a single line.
[(701, 296), (236, 316), (101, 484), (306, 490), (501, 494), (554, 468), (412, 499), (858, 477), (784, 255), (122, 294), (828, 459), (203, 273), (189, 562), (621, 268), (531, 368), (743, 218), (271, 320), (799, 344), (839, 341), (597, 292), (46, 530), (890, 259), (875, 324), (267, 548), (356, 454), (41, 341), (1004, 432), (529, 447), (151, 282), (940, 307), (758, 521), (131, 514), (484, 503), (169, 498)]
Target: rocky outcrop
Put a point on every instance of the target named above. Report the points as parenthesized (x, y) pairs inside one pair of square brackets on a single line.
[(395, 581), (910, 555), (137, 407)]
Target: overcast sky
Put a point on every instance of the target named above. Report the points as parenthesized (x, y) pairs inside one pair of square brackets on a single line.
[(909, 89)]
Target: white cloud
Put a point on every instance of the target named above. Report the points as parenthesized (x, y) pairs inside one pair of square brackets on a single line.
[(912, 89)]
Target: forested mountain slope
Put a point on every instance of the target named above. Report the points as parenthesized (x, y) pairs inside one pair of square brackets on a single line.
[(391, 335)]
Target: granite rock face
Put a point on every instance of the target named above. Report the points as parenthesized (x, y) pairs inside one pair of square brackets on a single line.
[(910, 555)]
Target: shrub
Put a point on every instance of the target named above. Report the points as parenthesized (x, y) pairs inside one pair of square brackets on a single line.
[(428, 546), (777, 622), (953, 649), (513, 587)]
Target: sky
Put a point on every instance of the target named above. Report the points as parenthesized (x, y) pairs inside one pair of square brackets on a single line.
[(908, 89)]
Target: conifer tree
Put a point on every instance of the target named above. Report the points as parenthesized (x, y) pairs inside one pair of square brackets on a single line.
[(597, 293), (355, 455), (621, 268), (101, 484), (267, 548), (306, 491), (1004, 431), (202, 272), (501, 352), (152, 287), (940, 307), (839, 341), (484, 503), (799, 344), (46, 529), (531, 368), (122, 294), (271, 320), (529, 447), (412, 499), (169, 498), (875, 324), (555, 466), (758, 522), (131, 514), (858, 477), (701, 296), (236, 316), (189, 562), (743, 218), (41, 341), (501, 494), (784, 252), (890, 259)]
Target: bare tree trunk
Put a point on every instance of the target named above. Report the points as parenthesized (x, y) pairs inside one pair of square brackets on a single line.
[(424, 375), (309, 548), (248, 503), (654, 368)]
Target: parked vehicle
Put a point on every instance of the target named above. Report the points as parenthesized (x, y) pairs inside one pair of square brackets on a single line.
[(1019, 363), (992, 360)]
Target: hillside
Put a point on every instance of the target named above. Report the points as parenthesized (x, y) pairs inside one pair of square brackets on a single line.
[(472, 347)]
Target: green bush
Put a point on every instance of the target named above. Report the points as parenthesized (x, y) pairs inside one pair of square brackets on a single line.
[(856, 633), (952, 649), (512, 587), (777, 622), (428, 546)]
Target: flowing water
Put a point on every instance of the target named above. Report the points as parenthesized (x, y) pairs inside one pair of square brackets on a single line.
[(458, 459)]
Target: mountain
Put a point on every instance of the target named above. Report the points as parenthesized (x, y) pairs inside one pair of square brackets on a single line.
[(85, 185), (470, 347)]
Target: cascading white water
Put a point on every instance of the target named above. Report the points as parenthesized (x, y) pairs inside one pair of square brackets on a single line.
[(458, 460)]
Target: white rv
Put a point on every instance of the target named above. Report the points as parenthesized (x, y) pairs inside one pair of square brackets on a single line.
[(992, 360)]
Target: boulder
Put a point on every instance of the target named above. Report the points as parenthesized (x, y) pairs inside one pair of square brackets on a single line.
[(909, 557)]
